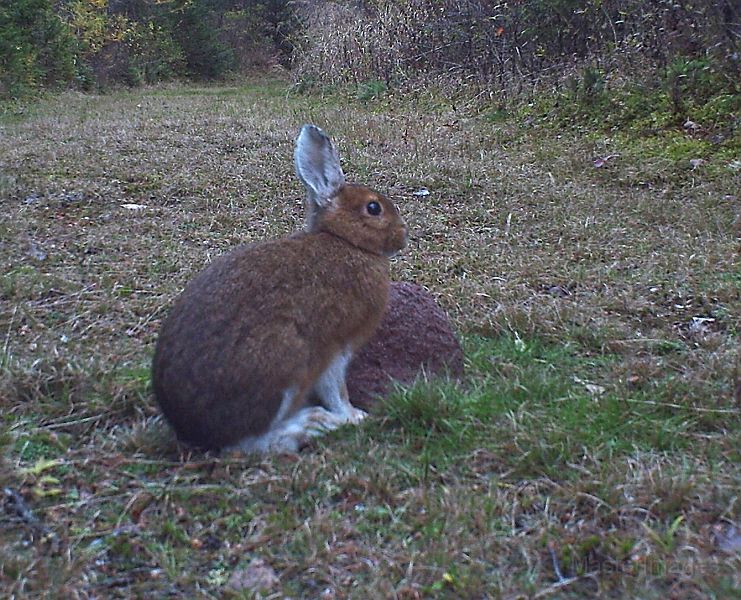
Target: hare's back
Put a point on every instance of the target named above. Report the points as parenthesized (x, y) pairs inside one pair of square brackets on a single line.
[(302, 279), (255, 322)]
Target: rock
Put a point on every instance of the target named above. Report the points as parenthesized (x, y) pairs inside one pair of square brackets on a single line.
[(414, 336)]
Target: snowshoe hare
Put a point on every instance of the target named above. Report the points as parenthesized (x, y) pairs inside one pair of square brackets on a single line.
[(271, 325)]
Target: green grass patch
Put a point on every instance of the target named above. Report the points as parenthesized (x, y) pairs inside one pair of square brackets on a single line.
[(537, 405)]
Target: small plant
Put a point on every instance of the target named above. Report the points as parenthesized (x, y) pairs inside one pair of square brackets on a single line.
[(592, 83), (686, 79), (371, 90)]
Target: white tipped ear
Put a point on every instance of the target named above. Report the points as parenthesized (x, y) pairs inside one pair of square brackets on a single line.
[(318, 164)]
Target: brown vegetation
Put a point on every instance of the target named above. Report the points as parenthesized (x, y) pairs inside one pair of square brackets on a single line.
[(507, 47), (593, 450)]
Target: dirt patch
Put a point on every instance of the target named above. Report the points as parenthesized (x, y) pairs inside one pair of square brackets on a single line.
[(415, 338)]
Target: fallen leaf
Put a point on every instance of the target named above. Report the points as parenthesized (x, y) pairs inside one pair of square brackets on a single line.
[(46, 486), (592, 388), (595, 390), (701, 324), (601, 162), (258, 576), (138, 504), (41, 465), (729, 541), (35, 252), (557, 290), (134, 206), (71, 197)]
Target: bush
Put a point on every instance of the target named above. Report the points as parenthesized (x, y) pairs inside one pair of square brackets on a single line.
[(155, 55), (36, 48), (505, 46), (105, 42), (197, 34)]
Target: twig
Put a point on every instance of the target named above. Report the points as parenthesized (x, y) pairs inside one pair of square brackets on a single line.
[(554, 560), (562, 581), (61, 298), (16, 505), (596, 499), (722, 411), (143, 322), (69, 423), (639, 341), (10, 328), (552, 589)]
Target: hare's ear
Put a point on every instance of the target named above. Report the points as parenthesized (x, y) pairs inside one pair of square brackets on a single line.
[(318, 165)]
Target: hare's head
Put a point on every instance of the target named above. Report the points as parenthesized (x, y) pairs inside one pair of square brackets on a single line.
[(355, 213)]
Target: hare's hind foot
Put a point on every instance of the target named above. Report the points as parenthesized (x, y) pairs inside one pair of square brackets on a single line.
[(290, 434), (287, 434)]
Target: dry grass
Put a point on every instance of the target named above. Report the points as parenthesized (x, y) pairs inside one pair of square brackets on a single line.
[(594, 451)]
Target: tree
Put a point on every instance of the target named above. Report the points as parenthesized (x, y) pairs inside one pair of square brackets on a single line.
[(36, 48)]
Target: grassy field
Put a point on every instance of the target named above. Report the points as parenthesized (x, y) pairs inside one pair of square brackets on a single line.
[(591, 451)]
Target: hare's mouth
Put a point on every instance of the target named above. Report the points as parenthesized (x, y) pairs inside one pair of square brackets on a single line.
[(394, 252)]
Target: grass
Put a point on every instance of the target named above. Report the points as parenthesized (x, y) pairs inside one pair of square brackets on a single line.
[(592, 449)]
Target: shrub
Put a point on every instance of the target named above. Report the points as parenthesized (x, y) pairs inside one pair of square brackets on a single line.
[(104, 42), (155, 55), (505, 46), (197, 33), (36, 48)]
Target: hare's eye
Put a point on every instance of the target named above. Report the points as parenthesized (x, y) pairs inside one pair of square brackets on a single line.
[(373, 208)]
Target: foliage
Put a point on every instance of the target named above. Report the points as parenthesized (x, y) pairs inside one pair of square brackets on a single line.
[(108, 42), (691, 96), (505, 46), (197, 34), (155, 55), (260, 32), (371, 90), (36, 48), (88, 19)]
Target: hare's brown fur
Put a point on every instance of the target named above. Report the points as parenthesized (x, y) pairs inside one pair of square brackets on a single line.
[(271, 317)]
